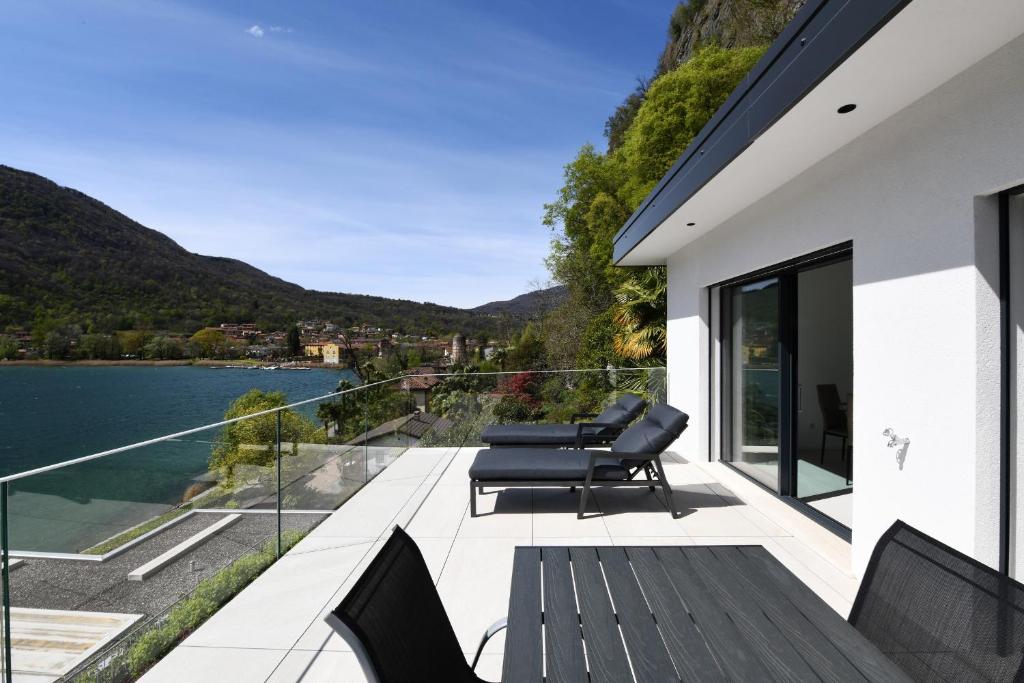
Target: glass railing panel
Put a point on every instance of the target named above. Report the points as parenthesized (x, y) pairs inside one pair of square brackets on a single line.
[(280, 472), (322, 471)]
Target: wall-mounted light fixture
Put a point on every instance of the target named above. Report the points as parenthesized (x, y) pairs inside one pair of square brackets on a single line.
[(894, 439)]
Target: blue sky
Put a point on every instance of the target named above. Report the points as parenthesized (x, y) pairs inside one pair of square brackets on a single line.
[(403, 149)]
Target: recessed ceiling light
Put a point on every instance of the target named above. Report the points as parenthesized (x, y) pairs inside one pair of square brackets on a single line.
[(846, 108), (691, 224)]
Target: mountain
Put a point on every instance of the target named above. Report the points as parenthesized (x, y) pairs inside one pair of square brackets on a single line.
[(526, 306), (725, 23), (67, 257), (698, 23)]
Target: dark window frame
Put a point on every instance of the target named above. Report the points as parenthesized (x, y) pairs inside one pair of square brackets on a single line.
[(786, 272)]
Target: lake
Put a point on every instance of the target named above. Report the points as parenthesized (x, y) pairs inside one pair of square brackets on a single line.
[(53, 414)]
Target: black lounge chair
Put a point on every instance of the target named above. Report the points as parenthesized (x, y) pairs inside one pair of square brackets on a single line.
[(603, 428), (396, 624), (939, 614), (638, 449)]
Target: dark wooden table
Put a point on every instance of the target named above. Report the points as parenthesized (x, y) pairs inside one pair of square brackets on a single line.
[(667, 613)]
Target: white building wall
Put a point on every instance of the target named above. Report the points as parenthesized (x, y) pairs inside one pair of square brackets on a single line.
[(914, 196)]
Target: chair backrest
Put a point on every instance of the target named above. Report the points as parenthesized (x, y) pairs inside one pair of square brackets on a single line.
[(632, 404), (397, 615), (625, 409), (939, 614), (650, 436), (832, 413)]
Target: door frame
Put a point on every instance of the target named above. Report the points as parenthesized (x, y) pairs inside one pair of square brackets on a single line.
[(1009, 404), (786, 272)]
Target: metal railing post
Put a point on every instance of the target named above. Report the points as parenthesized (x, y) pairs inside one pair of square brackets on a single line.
[(366, 432), (4, 540), (279, 483)]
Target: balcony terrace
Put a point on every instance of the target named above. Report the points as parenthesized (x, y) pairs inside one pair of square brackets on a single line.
[(274, 630)]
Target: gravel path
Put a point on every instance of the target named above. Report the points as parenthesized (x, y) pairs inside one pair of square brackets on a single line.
[(104, 586)]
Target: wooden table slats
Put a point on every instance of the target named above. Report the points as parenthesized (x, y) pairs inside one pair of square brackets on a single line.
[(815, 647), (868, 659), (523, 635), (663, 613), (733, 652), (562, 639), (686, 645), (772, 646), (651, 661), (600, 629)]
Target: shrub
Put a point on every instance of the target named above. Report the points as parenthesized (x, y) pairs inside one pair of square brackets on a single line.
[(188, 614), (514, 408)]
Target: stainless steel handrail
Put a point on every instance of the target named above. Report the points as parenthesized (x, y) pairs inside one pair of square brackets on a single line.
[(271, 411)]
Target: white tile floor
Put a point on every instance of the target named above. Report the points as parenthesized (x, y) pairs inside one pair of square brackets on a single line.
[(274, 630)]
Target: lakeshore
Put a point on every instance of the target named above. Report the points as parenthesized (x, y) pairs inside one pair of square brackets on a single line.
[(54, 413), (203, 363)]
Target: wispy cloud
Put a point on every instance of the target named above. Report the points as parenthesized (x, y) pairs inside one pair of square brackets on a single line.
[(256, 31), (280, 29)]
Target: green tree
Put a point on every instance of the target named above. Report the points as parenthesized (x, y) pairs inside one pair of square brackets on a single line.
[(209, 343), (133, 342), (8, 347), (59, 343), (100, 346), (293, 341), (164, 348), (528, 352), (641, 315), (599, 193), (328, 413), (252, 442), (676, 107)]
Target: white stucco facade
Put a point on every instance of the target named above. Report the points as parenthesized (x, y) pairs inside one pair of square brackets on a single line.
[(915, 195)]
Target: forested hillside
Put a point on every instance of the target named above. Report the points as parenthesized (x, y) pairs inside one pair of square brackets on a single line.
[(618, 315), (66, 258)]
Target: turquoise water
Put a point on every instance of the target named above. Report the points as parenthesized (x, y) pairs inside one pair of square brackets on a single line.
[(52, 414)]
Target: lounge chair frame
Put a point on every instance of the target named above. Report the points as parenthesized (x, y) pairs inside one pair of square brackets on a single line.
[(649, 464)]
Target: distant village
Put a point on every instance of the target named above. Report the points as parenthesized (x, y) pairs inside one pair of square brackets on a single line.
[(312, 342)]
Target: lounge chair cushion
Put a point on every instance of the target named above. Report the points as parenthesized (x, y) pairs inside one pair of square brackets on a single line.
[(553, 434), (632, 404), (542, 464), (643, 438), (668, 418)]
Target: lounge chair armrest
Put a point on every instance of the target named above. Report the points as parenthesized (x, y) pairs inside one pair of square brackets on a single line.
[(635, 456), (580, 426), (488, 634), (577, 416)]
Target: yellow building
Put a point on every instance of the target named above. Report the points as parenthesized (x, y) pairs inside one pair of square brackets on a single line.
[(331, 354), (312, 350)]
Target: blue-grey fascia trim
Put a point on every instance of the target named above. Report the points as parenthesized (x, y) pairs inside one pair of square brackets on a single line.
[(822, 35)]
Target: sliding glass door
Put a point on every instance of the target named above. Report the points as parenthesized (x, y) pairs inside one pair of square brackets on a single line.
[(787, 380), (754, 380)]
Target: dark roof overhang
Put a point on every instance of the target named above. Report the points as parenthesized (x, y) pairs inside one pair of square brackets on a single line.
[(821, 37)]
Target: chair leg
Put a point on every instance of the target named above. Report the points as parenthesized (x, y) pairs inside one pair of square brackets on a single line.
[(472, 499), (821, 460), (665, 487), (583, 499), (647, 473)]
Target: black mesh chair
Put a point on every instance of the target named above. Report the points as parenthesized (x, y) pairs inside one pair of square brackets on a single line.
[(939, 614), (833, 417), (402, 630)]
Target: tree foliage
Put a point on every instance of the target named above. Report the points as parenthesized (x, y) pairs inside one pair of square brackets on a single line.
[(601, 191), (253, 442)]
